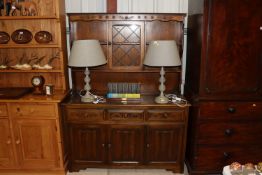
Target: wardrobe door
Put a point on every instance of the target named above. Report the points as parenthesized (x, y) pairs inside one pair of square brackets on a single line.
[(232, 58)]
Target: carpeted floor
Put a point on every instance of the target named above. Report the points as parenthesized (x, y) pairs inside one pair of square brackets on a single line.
[(94, 171)]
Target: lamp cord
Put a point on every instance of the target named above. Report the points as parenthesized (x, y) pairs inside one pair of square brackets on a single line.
[(97, 99), (173, 98)]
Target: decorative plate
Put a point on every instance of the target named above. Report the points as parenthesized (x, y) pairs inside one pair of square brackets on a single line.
[(22, 36), (4, 37), (43, 37)]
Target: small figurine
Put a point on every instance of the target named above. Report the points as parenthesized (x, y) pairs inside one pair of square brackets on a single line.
[(14, 9), (26, 8), (1, 6), (8, 7), (37, 65), (4, 63), (22, 63)]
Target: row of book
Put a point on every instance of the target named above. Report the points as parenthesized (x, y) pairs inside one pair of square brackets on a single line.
[(115, 95), (124, 91), (124, 88)]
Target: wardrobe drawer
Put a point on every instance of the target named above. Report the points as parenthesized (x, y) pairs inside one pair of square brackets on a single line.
[(230, 110), (3, 110), (125, 115), (208, 158), (166, 115), (84, 114), (220, 133), (33, 110)]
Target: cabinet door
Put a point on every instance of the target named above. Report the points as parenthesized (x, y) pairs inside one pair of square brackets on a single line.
[(127, 45), (164, 144), (36, 143), (87, 145), (6, 149), (232, 59), (126, 144)]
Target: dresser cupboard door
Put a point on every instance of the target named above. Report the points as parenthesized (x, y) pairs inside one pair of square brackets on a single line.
[(126, 144), (232, 60), (6, 148), (87, 144), (36, 143), (127, 48), (164, 144)]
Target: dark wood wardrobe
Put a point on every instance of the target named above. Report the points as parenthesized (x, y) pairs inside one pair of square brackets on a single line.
[(223, 84)]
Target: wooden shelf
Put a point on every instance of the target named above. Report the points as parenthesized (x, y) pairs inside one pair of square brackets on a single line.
[(26, 17), (9, 46), (30, 71), (153, 70), (125, 43)]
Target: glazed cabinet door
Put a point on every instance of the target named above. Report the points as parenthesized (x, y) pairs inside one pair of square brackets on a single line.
[(6, 148), (232, 61), (164, 144), (36, 143), (127, 45), (126, 144), (87, 145)]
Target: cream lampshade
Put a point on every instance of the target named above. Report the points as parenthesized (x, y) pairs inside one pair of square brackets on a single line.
[(162, 53), (86, 53)]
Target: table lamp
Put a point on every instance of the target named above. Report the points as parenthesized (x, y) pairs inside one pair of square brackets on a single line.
[(162, 53), (86, 53)]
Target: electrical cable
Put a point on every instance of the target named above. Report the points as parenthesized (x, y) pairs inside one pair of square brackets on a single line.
[(173, 98)]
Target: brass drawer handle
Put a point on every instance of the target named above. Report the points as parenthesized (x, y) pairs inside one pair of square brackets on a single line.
[(18, 142), (226, 155), (8, 142), (231, 110), (228, 132), (165, 115)]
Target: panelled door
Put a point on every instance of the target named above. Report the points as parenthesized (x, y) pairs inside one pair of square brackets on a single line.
[(233, 58), (6, 148), (126, 144), (36, 143)]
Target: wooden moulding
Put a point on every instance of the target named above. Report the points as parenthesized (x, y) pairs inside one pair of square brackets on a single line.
[(132, 17)]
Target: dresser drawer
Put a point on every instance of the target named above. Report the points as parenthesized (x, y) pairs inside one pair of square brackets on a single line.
[(33, 110), (3, 110), (166, 115), (230, 110), (84, 114), (215, 158), (220, 133), (125, 115)]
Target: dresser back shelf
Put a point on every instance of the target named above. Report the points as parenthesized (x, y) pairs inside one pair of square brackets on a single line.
[(129, 35)]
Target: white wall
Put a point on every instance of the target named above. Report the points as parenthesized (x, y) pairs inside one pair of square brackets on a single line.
[(85, 6), (152, 6)]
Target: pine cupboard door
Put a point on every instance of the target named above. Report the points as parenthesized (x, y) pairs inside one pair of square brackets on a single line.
[(6, 149), (87, 144), (164, 144), (232, 61), (126, 144), (36, 143)]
